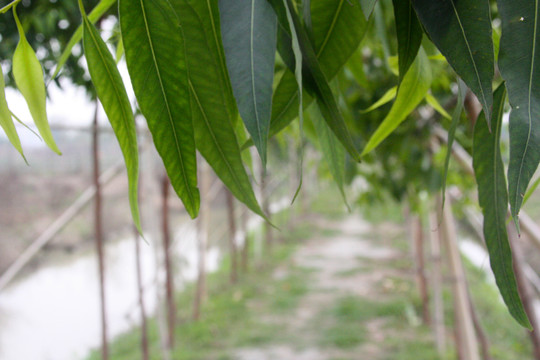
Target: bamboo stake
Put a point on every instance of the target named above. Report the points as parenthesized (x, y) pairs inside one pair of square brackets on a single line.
[(98, 234), (524, 289), (169, 282), (436, 285), (232, 236), (421, 280), (466, 334), (202, 224)]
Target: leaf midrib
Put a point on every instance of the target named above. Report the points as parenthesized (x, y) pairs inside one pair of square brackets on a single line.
[(251, 53), (171, 123), (331, 29)]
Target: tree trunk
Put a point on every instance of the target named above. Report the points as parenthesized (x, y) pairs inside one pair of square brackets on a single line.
[(232, 236), (245, 248), (142, 307), (169, 279), (524, 289), (98, 234), (202, 239)]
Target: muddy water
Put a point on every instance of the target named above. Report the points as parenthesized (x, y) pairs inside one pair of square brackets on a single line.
[(53, 314)]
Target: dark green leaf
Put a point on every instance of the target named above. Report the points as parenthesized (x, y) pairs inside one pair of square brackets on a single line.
[(338, 28), (462, 32), (519, 62), (333, 151), (409, 34), (112, 94), (493, 198), (214, 109), (155, 56), (28, 76), (249, 40)]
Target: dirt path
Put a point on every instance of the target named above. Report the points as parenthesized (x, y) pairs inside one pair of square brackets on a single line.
[(327, 322)]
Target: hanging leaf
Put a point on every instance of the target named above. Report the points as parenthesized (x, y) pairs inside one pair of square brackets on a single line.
[(338, 28), (155, 56), (317, 84), (409, 34), (462, 32), (493, 198), (412, 90), (213, 106), (367, 7), (385, 99), (519, 62), (249, 39), (96, 13), (112, 94), (28, 76), (456, 116), (333, 151), (6, 120)]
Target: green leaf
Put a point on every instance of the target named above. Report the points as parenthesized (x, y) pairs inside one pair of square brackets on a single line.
[(409, 34), (6, 120), (530, 191), (434, 103), (155, 56), (367, 7), (385, 99), (412, 90), (94, 15), (317, 84), (338, 28), (333, 151), (519, 63), (249, 39), (456, 116), (213, 106), (462, 32), (493, 198), (28, 76), (112, 94)]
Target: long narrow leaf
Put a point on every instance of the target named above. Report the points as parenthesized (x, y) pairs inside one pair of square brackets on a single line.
[(155, 56), (385, 99), (112, 94), (462, 32), (94, 15), (493, 198), (28, 76), (338, 28), (318, 84), (519, 62), (249, 39), (6, 121), (333, 151), (409, 34), (412, 90), (367, 7), (213, 110)]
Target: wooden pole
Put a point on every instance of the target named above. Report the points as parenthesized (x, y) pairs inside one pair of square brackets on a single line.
[(524, 289), (466, 336), (421, 280), (169, 279), (245, 248), (98, 234), (202, 224), (265, 195), (436, 285), (232, 236)]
